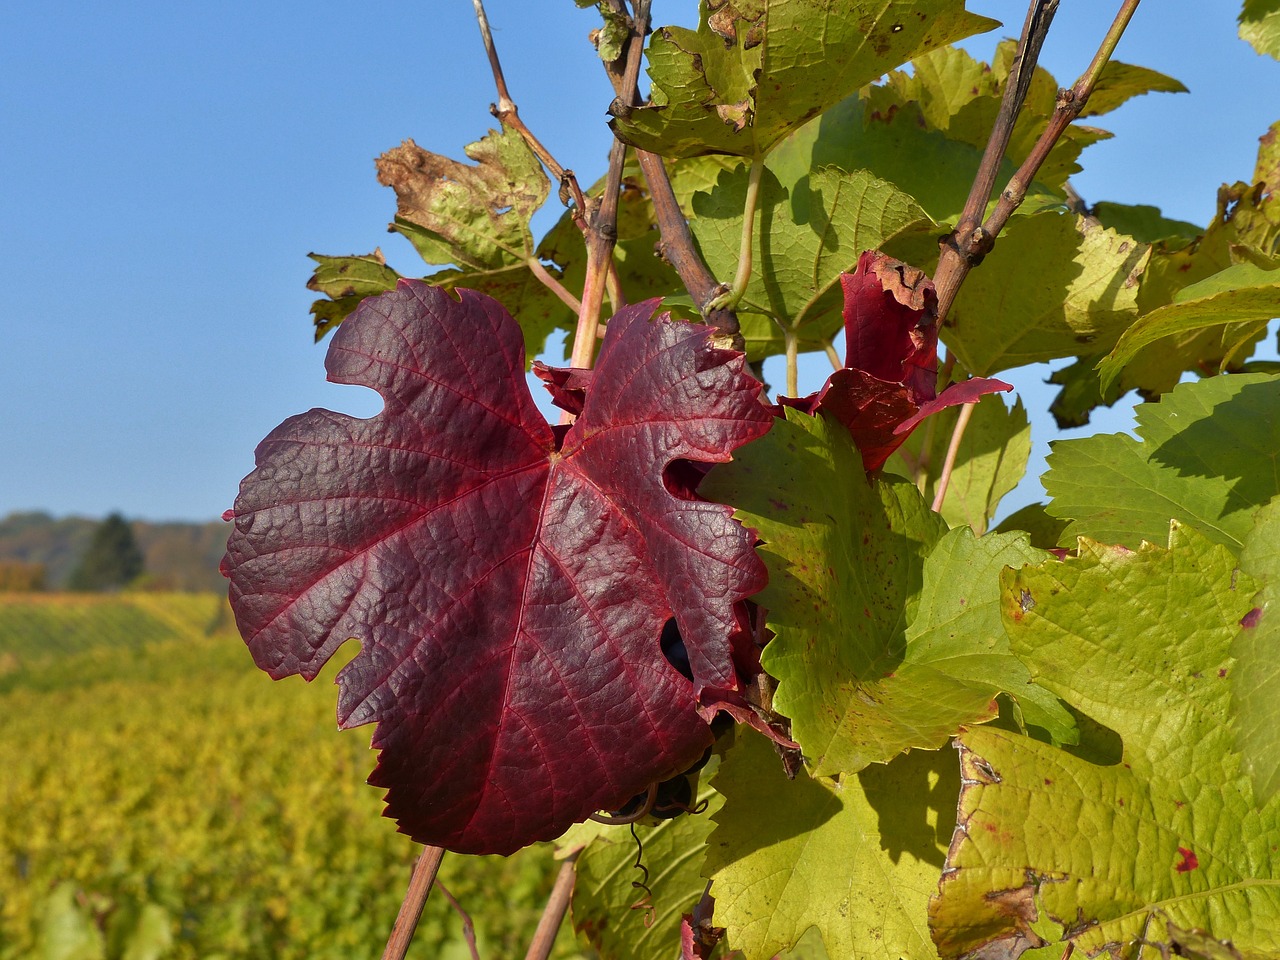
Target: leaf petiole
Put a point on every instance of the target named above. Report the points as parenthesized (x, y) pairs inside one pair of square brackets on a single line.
[(742, 277), (793, 362), (953, 449)]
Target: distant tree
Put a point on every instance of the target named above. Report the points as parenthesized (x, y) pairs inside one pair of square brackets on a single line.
[(112, 560), (19, 577)]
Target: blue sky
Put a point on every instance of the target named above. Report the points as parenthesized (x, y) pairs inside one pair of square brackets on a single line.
[(166, 168)]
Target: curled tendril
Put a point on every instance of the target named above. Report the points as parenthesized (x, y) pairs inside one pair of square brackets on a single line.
[(645, 903), (617, 820)]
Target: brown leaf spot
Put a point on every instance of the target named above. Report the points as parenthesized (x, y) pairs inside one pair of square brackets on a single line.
[(908, 284), (737, 115)]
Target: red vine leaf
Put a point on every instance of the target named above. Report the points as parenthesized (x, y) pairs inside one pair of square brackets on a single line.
[(889, 380), (508, 581)]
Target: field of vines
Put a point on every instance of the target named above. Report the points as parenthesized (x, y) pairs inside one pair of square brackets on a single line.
[(161, 798)]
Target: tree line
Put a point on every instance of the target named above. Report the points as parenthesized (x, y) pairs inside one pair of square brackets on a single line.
[(41, 552)]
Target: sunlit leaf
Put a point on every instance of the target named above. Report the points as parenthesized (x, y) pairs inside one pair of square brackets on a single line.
[(857, 858), (1240, 295), (1260, 26), (1255, 681), (1121, 82), (754, 71), (508, 582), (1118, 855), (1055, 286), (886, 639), (1209, 456)]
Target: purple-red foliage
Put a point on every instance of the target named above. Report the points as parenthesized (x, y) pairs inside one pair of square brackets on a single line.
[(508, 582), (889, 380)]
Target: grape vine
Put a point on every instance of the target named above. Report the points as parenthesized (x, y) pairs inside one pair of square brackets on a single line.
[(782, 638)]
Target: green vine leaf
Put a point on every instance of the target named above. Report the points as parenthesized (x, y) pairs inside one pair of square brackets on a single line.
[(950, 91), (1055, 285), (1144, 223), (1244, 295), (755, 71), (1245, 230), (1121, 82), (857, 858), (897, 146), (1260, 26), (605, 899), (877, 649), (1255, 681), (1209, 456), (990, 461), (810, 230), (346, 281), (1168, 839), (476, 217)]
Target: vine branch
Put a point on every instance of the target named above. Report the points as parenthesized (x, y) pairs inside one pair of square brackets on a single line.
[(601, 236), (468, 927), (509, 114), (506, 111), (553, 914), (415, 898), (1070, 103), (676, 245), (974, 238), (964, 247)]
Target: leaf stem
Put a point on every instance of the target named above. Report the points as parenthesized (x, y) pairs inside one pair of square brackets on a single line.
[(743, 275), (424, 875), (602, 221), (508, 114), (833, 356), (551, 283), (793, 363), (468, 927), (953, 450), (553, 914)]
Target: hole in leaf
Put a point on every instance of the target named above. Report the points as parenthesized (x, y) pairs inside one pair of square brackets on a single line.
[(674, 650), (681, 478)]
